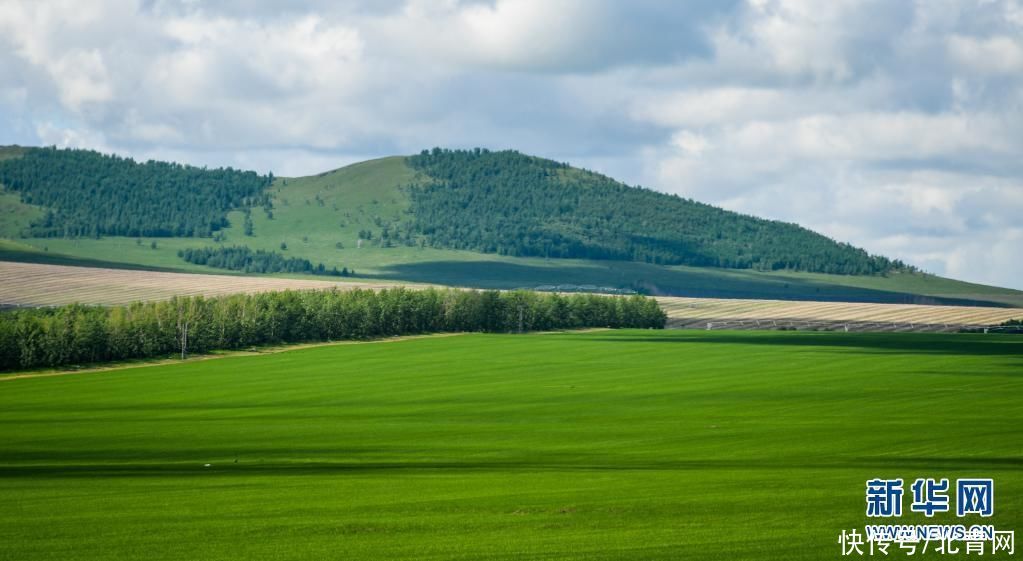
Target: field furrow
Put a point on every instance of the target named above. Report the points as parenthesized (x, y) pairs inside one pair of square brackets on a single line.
[(744, 314), (30, 284)]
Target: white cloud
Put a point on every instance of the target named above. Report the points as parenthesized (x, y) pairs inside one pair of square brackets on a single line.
[(512, 34), (52, 134), (523, 32), (799, 36), (291, 56), (892, 125), (79, 73), (993, 55), (690, 143), (708, 106)]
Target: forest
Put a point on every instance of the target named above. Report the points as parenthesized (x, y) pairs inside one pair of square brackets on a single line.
[(88, 194), (76, 334), (512, 204), (242, 258)]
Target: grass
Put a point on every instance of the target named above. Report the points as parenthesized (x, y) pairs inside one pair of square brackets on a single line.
[(313, 214), (601, 445), (15, 216), (22, 252)]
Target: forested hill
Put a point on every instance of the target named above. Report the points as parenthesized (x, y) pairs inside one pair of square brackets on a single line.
[(88, 194), (509, 203), (491, 202)]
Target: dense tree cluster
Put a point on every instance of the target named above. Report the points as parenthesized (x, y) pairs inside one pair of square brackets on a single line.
[(78, 334), (513, 204), (88, 194), (1012, 326), (241, 258)]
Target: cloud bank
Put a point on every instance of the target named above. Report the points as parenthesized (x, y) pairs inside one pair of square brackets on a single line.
[(891, 125)]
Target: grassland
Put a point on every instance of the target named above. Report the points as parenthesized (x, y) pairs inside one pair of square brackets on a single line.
[(600, 445), (312, 215), (15, 216)]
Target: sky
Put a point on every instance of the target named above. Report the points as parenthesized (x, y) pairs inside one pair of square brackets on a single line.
[(893, 125)]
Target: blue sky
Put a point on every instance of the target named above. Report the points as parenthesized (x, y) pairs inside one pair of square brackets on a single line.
[(893, 125)]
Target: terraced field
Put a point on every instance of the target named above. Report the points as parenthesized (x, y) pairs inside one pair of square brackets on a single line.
[(33, 284), (709, 313)]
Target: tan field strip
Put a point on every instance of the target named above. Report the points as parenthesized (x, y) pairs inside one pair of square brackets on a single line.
[(694, 311), (32, 284)]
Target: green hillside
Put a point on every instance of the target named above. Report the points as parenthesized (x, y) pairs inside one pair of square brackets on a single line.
[(322, 218), (86, 193), (513, 204), (15, 215)]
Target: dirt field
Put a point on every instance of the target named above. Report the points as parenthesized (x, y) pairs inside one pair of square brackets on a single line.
[(31, 284), (744, 314)]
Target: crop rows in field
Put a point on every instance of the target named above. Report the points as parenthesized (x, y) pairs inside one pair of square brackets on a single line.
[(32, 284), (708, 313)]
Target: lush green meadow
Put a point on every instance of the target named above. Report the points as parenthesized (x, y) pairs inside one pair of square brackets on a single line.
[(599, 445)]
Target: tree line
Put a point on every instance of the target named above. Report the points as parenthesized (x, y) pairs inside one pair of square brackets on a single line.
[(88, 194), (77, 334), (1013, 326), (512, 204), (242, 258)]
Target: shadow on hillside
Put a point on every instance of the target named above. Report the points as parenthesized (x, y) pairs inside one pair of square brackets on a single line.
[(652, 279), (902, 343), (463, 467), (71, 261)]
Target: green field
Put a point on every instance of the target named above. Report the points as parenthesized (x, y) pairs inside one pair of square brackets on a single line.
[(599, 445)]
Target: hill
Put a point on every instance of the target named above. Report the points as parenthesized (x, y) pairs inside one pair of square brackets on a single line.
[(513, 204), (88, 194), (369, 217)]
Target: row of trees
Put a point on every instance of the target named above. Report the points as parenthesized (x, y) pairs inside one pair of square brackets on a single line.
[(242, 258), (513, 204), (79, 334), (88, 194), (1013, 326)]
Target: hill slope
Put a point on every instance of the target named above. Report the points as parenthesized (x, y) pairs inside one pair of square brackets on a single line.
[(509, 203), (86, 193), (323, 217)]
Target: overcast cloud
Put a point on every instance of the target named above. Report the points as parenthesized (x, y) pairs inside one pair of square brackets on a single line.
[(893, 125)]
